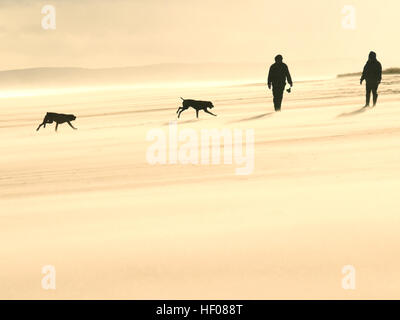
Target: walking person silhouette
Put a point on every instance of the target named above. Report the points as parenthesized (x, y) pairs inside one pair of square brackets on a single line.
[(372, 74), (277, 76)]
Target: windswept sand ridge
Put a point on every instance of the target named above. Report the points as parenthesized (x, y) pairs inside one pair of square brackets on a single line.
[(323, 194)]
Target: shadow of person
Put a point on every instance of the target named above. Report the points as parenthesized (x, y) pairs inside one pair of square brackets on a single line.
[(254, 118), (353, 113)]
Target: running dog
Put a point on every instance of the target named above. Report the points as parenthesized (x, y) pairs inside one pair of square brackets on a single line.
[(57, 118), (197, 105)]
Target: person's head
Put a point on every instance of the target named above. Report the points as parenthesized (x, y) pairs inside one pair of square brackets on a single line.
[(278, 58), (372, 56)]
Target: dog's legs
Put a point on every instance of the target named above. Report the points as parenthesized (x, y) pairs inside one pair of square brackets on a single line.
[(197, 113), (179, 114), (42, 124), (71, 125), (56, 125), (178, 109), (205, 110), (45, 121)]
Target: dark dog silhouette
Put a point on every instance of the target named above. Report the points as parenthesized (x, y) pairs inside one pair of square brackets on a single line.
[(197, 105), (57, 118)]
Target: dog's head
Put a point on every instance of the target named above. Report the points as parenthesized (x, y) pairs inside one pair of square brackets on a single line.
[(71, 117), (48, 118), (210, 105)]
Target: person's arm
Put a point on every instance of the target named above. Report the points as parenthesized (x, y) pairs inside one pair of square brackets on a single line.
[(269, 78), (363, 73), (380, 73), (288, 77)]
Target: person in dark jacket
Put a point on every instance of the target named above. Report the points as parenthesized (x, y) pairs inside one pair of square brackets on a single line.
[(372, 74), (278, 74)]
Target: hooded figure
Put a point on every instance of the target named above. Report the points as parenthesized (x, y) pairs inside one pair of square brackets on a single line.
[(278, 74), (372, 74)]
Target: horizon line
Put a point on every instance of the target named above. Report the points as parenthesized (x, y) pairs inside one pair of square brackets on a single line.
[(174, 63)]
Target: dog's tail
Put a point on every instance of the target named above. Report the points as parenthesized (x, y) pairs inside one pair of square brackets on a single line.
[(182, 99)]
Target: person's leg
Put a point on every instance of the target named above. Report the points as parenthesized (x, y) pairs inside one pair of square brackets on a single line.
[(368, 94), (274, 93), (278, 96), (375, 93)]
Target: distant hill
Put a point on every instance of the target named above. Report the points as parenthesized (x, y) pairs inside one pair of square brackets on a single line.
[(386, 71), (54, 77)]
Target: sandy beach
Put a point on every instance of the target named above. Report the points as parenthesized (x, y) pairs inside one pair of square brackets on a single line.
[(323, 194)]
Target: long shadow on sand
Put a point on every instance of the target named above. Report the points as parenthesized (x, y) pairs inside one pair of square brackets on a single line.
[(182, 122), (254, 118), (353, 113)]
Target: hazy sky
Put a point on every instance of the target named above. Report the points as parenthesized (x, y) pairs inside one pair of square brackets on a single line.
[(100, 33)]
